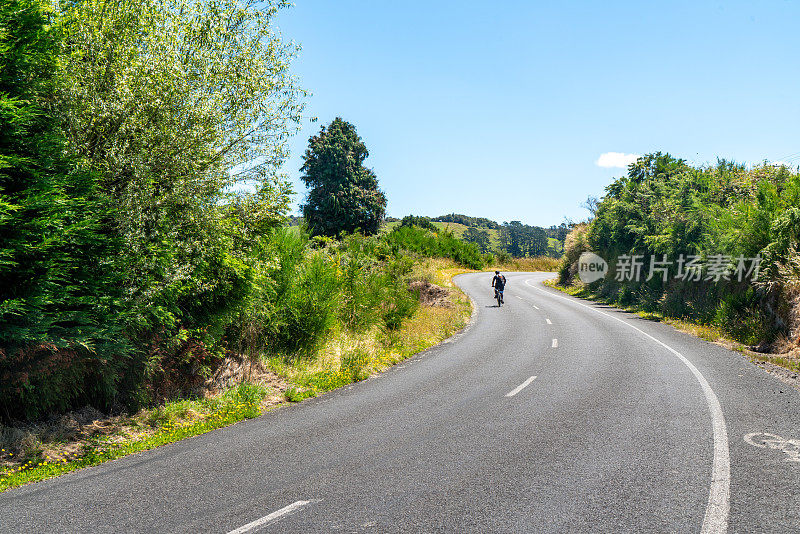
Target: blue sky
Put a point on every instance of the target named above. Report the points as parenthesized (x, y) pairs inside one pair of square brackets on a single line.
[(502, 109)]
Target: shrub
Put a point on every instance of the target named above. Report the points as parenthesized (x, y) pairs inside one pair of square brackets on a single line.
[(306, 297), (401, 303), (502, 257), (361, 281), (421, 222), (431, 244), (575, 244)]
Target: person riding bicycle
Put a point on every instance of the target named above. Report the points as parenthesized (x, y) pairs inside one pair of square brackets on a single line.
[(499, 284)]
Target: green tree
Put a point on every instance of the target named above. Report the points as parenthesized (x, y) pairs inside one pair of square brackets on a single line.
[(58, 287), (421, 221), (479, 237), (343, 195), (521, 240), (174, 103)]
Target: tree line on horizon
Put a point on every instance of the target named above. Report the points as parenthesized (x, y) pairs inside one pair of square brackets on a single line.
[(514, 238)]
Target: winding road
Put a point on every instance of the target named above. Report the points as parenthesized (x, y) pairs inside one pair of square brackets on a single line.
[(550, 414)]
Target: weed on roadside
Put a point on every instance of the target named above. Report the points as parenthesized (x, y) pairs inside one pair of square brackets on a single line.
[(169, 423)]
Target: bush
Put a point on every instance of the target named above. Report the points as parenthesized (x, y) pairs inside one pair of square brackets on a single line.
[(741, 315), (362, 282), (400, 304), (575, 244), (665, 207), (431, 244), (421, 222), (305, 296), (503, 257)]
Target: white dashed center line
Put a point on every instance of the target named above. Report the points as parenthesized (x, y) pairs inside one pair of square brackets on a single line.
[(520, 387), (549, 321), (555, 343), (718, 506), (274, 516)]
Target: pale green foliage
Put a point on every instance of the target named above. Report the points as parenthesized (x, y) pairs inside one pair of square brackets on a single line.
[(174, 102), (204, 85)]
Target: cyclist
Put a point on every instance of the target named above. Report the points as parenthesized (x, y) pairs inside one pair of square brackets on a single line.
[(498, 283)]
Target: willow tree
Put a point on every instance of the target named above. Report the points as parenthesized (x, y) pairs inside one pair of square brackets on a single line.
[(173, 103)]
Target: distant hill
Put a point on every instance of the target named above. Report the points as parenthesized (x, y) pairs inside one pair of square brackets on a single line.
[(514, 237), (466, 220)]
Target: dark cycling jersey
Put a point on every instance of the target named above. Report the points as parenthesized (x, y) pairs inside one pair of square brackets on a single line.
[(499, 282)]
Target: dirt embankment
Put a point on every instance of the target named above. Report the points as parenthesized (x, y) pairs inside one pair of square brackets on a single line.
[(431, 294)]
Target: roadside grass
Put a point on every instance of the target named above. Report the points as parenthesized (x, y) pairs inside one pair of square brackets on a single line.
[(349, 357), (538, 263), (707, 332), (145, 430), (51, 449)]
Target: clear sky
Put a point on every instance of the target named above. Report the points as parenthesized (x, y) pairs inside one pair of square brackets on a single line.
[(503, 109)]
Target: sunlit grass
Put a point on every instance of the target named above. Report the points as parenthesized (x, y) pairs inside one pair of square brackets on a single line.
[(166, 424), (536, 264), (345, 358), (349, 357)]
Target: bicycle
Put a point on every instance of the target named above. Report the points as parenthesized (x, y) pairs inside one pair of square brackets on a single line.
[(498, 294)]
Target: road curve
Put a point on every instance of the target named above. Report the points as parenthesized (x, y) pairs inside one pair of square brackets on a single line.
[(549, 414)]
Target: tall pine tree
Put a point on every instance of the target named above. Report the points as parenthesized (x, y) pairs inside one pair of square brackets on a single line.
[(343, 195), (58, 290)]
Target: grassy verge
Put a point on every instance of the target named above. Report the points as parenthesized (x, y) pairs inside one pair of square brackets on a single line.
[(124, 435), (350, 357), (710, 333), (51, 449)]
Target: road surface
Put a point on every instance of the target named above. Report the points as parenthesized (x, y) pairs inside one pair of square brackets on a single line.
[(550, 414)]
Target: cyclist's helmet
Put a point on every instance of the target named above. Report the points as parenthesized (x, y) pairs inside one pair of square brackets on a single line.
[(497, 272)]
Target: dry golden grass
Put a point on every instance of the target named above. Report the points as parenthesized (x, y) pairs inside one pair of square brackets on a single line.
[(540, 263), (348, 356)]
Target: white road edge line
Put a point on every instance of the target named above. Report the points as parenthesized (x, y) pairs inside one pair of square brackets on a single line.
[(716, 518), (549, 321), (555, 343), (520, 387), (267, 519)]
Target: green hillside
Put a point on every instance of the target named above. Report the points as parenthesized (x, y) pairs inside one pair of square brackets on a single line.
[(458, 230)]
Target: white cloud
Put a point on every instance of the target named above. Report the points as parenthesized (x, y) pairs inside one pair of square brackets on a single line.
[(616, 159)]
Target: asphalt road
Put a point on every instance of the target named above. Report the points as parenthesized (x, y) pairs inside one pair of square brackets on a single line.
[(629, 426)]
